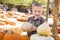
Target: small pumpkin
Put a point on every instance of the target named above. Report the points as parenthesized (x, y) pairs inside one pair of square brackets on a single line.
[(12, 36)]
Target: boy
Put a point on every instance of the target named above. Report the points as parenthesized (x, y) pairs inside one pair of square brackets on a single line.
[(36, 19)]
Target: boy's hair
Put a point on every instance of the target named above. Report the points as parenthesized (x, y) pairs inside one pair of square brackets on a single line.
[(37, 4)]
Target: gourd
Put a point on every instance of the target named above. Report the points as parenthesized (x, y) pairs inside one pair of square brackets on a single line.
[(44, 29), (26, 26)]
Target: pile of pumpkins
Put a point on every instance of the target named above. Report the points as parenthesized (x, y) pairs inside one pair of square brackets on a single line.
[(5, 22), (43, 33), (10, 35), (13, 34)]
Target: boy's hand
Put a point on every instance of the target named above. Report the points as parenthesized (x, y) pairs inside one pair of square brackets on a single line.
[(32, 29)]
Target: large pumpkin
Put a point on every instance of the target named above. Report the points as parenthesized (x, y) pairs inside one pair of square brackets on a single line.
[(1, 35), (12, 36), (44, 30), (26, 26), (25, 37)]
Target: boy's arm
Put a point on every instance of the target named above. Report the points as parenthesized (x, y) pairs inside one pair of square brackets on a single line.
[(34, 28)]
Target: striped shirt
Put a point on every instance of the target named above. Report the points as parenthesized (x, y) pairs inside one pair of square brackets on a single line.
[(36, 22)]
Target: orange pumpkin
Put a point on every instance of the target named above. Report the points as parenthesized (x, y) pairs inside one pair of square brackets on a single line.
[(12, 23), (24, 37), (2, 33), (22, 19), (6, 21), (12, 36), (2, 23)]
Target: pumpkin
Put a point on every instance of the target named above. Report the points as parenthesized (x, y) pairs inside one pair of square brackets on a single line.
[(12, 23), (10, 14), (2, 33), (22, 19), (25, 37), (6, 21), (38, 37), (1, 20), (44, 30), (26, 26), (12, 36), (16, 30)]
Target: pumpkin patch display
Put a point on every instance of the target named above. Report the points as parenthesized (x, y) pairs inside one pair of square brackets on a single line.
[(44, 30), (12, 36)]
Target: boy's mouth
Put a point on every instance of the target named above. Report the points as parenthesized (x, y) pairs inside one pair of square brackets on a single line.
[(37, 15)]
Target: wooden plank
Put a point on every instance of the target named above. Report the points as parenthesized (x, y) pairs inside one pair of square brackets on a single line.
[(48, 2), (55, 17)]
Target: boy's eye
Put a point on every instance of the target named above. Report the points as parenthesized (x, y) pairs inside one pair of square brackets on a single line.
[(35, 11), (39, 11)]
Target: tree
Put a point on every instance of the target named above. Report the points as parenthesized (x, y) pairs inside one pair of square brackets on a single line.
[(14, 2)]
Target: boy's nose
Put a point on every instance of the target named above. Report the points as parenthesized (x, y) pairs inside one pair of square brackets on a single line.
[(37, 12)]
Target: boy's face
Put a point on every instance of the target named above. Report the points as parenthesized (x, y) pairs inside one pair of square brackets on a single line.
[(37, 10)]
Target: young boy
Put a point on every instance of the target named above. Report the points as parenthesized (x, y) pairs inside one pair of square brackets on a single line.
[(36, 19)]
